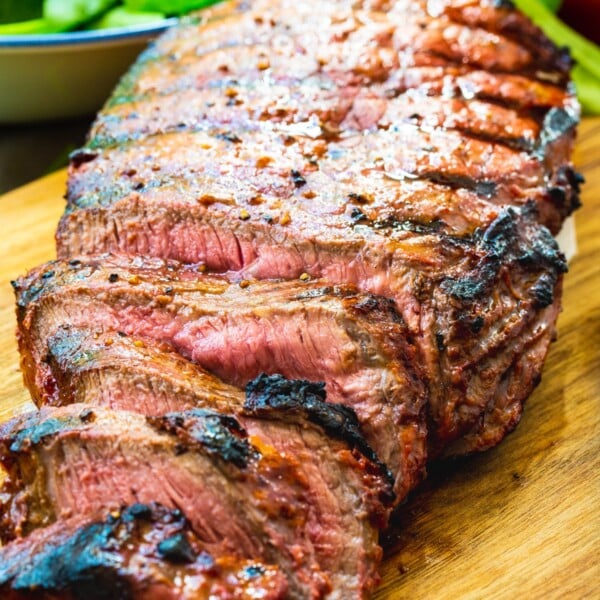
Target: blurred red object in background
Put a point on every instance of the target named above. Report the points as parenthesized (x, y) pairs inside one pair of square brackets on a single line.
[(584, 16)]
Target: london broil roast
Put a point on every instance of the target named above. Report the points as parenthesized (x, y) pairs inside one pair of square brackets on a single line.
[(307, 247)]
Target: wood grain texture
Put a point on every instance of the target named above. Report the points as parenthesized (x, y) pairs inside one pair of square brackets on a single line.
[(520, 521)]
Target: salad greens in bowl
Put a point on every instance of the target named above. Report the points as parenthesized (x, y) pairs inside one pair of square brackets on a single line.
[(22, 17), (61, 58)]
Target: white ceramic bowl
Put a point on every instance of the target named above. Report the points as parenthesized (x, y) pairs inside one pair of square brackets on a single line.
[(55, 76)]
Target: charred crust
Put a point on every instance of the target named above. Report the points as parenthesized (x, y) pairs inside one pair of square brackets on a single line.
[(275, 397), (358, 217), (253, 571), (411, 225), (359, 198), (81, 156), (543, 251), (558, 196), (467, 324), (564, 61), (177, 549), (87, 416), (543, 290), (372, 304), (228, 136), (30, 290), (465, 289), (571, 180), (494, 242), (481, 187), (83, 565), (477, 324), (500, 236), (39, 433), (439, 341), (500, 245), (87, 563), (297, 178), (557, 123), (337, 291), (140, 511), (214, 433)]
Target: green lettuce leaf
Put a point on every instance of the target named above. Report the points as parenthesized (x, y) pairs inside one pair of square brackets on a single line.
[(12, 11), (169, 7), (67, 14), (123, 17)]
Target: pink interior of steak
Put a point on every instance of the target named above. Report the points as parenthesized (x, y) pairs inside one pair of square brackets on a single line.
[(280, 494), (355, 343)]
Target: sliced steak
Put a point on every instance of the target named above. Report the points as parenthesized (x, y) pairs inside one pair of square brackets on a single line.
[(406, 148), (272, 487), (473, 304), (140, 552), (356, 343)]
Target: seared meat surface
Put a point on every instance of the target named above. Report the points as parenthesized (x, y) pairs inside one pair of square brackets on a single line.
[(325, 78), (139, 552), (307, 246), (408, 149), (292, 483), (357, 343)]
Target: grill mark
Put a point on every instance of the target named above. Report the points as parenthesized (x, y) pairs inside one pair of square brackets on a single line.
[(216, 434), (520, 144), (482, 187), (323, 82), (268, 396), (212, 127), (516, 32), (532, 72), (502, 102), (82, 564)]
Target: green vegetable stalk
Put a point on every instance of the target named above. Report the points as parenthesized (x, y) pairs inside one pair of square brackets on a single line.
[(553, 5)]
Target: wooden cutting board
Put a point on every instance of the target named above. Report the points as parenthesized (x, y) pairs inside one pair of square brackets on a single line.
[(520, 521)]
